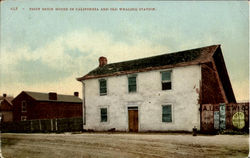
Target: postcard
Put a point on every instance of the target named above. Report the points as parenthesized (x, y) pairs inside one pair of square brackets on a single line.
[(72, 72)]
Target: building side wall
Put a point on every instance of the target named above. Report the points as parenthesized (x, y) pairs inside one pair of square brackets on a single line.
[(17, 106), (51, 110), (7, 116), (6, 111), (223, 76), (149, 99), (211, 91), (45, 109), (5, 106)]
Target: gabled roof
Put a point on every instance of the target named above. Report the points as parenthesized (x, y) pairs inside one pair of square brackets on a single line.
[(60, 98), (8, 99), (4, 106), (182, 58)]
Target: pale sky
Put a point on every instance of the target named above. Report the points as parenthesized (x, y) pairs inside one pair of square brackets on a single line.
[(46, 51)]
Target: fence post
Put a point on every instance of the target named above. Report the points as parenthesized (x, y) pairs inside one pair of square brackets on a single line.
[(40, 126), (31, 126), (51, 124), (56, 125)]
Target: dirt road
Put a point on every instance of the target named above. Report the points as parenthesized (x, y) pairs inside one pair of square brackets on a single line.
[(122, 145)]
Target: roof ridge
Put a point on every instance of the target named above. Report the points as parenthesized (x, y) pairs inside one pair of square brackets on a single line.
[(165, 54), (41, 96), (48, 93), (9, 101), (161, 61)]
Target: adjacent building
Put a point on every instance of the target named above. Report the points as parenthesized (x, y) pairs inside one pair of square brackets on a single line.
[(6, 108), (158, 93), (34, 105)]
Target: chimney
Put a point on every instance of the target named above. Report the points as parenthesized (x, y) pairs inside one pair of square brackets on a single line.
[(52, 96), (4, 95), (102, 61), (76, 94)]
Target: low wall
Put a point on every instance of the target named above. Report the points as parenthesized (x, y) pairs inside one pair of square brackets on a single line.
[(48, 125)]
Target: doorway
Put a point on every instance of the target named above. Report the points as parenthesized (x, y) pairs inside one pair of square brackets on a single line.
[(133, 119)]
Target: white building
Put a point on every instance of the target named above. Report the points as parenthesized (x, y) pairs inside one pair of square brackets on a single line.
[(159, 93)]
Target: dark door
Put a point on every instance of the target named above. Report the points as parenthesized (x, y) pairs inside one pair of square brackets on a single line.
[(133, 120)]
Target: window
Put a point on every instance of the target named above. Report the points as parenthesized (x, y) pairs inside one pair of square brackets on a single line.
[(23, 118), (103, 86), (166, 80), (24, 106), (167, 113), (132, 83), (104, 115)]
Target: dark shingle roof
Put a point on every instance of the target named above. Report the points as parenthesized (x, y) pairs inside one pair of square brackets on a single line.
[(188, 57), (8, 99), (60, 98)]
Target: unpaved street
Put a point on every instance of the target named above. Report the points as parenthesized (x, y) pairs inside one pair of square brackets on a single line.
[(122, 145)]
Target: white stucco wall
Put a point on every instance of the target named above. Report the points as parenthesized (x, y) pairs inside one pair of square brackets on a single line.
[(149, 99)]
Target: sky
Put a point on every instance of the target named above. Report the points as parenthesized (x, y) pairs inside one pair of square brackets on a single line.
[(46, 50)]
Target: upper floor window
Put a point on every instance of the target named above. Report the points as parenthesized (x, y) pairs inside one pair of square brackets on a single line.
[(24, 106), (132, 83), (167, 113), (103, 86), (104, 115), (166, 80)]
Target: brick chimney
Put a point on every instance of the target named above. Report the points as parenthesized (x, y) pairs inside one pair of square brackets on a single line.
[(52, 96), (102, 61), (4, 95), (76, 94)]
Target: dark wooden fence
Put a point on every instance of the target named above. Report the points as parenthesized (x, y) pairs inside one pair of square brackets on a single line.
[(48, 125), (219, 117)]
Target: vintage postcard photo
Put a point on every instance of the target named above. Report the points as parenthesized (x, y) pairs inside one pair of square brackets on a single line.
[(124, 79)]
